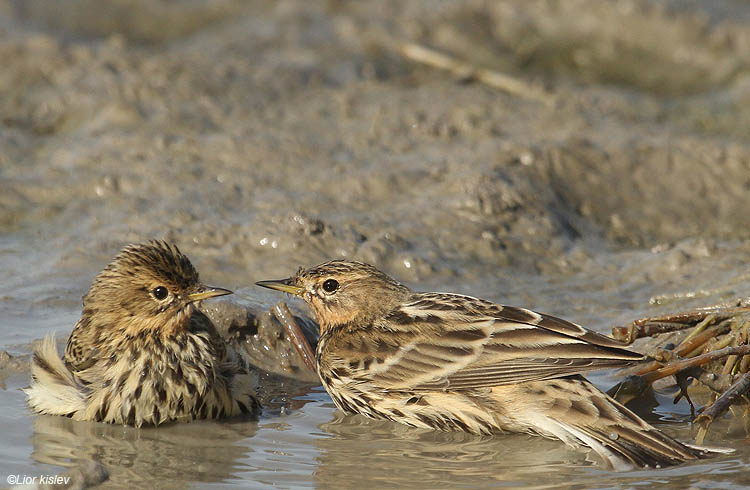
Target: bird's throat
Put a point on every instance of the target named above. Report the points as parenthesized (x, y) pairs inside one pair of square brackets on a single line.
[(164, 326)]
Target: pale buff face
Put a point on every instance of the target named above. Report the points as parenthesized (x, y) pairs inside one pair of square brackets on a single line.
[(343, 292), (150, 286)]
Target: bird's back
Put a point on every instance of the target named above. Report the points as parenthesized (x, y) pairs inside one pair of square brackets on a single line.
[(454, 362)]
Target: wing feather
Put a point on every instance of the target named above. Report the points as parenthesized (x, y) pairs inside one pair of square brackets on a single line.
[(458, 342)]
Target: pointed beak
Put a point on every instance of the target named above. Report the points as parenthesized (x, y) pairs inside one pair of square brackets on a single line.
[(285, 285), (205, 292)]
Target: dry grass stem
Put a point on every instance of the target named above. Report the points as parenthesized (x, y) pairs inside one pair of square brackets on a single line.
[(467, 71)]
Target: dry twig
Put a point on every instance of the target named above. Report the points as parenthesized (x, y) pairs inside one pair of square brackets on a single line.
[(719, 334), (464, 70), (285, 317), (648, 327), (721, 405)]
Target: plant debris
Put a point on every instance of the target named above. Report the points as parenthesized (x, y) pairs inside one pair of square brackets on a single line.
[(713, 354)]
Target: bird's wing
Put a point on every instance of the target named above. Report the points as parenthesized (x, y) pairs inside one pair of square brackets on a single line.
[(452, 342), (80, 353)]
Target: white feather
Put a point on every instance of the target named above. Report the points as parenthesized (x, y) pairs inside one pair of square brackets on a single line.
[(54, 391)]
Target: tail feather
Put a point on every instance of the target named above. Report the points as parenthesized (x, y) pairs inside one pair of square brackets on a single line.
[(54, 389), (646, 447), (575, 411), (615, 460), (710, 450)]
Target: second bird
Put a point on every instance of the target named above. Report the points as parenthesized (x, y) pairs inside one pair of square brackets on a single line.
[(453, 362), (142, 353)]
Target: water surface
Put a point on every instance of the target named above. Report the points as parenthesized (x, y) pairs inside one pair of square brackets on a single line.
[(261, 137)]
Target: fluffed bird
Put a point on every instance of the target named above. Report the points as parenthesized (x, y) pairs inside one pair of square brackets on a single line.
[(142, 353), (454, 362)]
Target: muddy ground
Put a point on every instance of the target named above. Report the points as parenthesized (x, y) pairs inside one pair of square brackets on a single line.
[(264, 136)]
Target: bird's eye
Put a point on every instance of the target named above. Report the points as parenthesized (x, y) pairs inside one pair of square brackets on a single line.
[(330, 285), (159, 292)]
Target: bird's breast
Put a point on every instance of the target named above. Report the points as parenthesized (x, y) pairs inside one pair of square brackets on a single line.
[(152, 383)]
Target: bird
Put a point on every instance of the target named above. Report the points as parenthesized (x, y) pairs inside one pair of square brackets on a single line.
[(453, 362), (142, 353)]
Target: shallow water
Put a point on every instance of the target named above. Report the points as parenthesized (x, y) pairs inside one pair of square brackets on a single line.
[(262, 137)]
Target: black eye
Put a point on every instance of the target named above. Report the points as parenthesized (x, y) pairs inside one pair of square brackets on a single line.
[(159, 292), (330, 285)]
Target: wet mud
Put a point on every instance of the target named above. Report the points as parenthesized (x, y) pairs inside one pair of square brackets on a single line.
[(264, 136)]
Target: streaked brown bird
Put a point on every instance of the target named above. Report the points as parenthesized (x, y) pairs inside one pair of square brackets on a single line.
[(142, 353), (452, 362)]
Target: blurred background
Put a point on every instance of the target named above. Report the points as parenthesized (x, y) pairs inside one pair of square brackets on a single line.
[(264, 136)]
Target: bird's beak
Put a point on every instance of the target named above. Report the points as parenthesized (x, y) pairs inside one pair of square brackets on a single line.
[(205, 292), (285, 285)]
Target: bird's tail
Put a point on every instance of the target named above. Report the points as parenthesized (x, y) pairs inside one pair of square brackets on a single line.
[(575, 411), (54, 390)]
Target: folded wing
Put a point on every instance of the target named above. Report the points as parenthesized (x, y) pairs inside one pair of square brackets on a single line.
[(453, 342)]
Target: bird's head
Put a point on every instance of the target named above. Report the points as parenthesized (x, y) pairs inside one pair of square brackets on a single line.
[(150, 286), (343, 292)]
